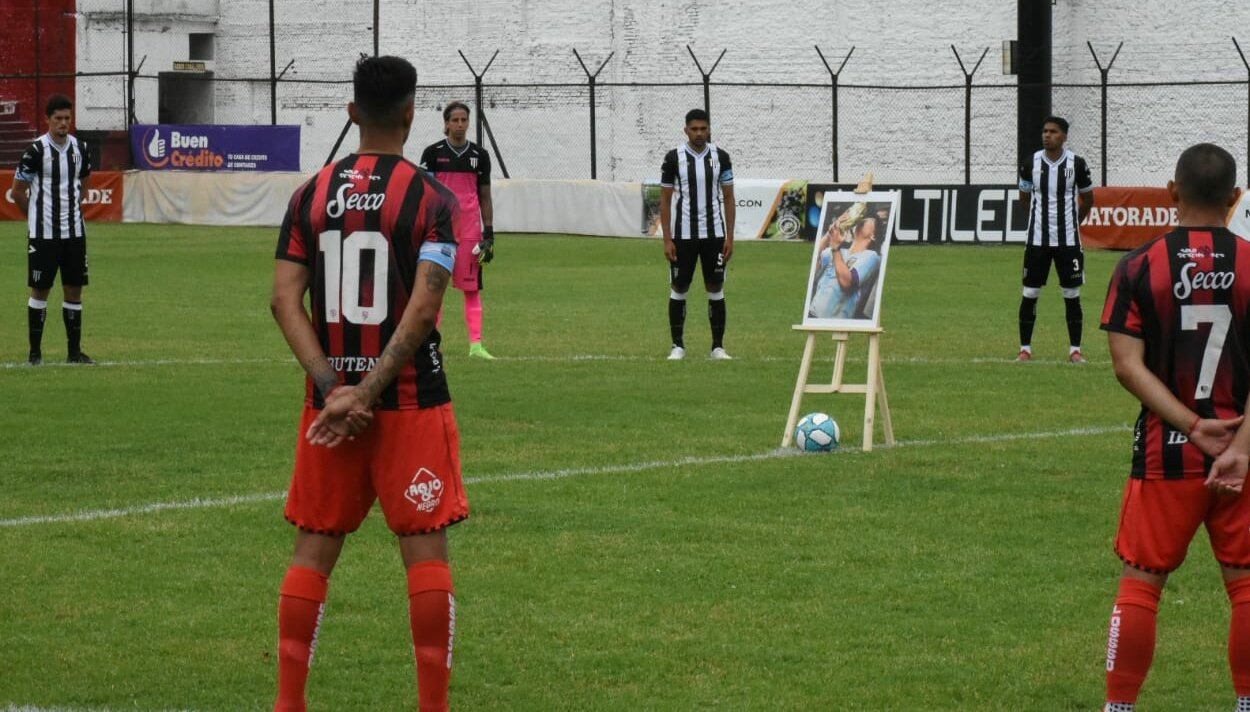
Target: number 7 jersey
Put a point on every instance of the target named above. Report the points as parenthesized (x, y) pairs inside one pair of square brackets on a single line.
[(1186, 294), (360, 226)]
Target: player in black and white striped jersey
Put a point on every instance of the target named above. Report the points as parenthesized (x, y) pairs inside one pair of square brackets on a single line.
[(699, 228), (48, 186), (1056, 186)]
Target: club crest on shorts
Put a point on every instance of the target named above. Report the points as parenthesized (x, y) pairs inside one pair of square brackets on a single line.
[(425, 490)]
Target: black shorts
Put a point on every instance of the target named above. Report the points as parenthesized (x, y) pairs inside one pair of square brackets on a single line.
[(1069, 263), (709, 251), (45, 256)]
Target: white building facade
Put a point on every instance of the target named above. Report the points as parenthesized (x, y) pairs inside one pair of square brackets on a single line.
[(903, 134)]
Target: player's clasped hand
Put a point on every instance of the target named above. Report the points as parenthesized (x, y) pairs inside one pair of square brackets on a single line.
[(1212, 436), (344, 416), (1228, 472)]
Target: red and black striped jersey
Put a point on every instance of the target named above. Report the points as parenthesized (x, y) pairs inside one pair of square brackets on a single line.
[(360, 226), (1186, 294)]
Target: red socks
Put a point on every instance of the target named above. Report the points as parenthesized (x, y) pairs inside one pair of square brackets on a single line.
[(432, 613), (299, 616), (1131, 640), (1239, 634)]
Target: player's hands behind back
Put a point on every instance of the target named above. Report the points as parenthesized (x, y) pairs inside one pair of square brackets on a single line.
[(1212, 436), (1228, 472), (344, 416)]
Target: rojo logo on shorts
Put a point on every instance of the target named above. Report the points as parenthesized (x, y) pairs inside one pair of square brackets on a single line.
[(425, 490)]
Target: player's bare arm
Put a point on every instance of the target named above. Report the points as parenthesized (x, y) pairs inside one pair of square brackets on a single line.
[(1086, 204), (290, 283), (1212, 436), (666, 207), (487, 206), (414, 327), (21, 194), (730, 208)]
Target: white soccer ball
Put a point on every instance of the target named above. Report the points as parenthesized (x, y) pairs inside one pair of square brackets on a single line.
[(817, 432)]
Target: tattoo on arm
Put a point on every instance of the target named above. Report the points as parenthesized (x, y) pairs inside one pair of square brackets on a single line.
[(399, 351), (436, 279), (322, 373), (406, 340)]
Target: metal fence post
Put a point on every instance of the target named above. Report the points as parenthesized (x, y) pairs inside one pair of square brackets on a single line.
[(591, 79), (1247, 63), (968, 110), (477, 88), (833, 104), (273, 71), (1103, 72), (707, 78), (130, 63)]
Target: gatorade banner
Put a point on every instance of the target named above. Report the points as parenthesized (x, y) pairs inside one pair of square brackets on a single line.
[(102, 197), (210, 147), (1127, 218)]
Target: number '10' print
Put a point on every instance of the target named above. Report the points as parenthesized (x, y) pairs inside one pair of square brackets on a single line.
[(342, 270)]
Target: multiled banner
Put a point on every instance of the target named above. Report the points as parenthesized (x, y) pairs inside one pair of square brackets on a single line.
[(942, 213), (211, 147)]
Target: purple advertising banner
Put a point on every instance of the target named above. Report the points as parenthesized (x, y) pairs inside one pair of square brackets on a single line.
[(211, 147)]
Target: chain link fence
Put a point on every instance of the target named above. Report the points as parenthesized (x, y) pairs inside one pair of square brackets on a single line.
[(819, 130)]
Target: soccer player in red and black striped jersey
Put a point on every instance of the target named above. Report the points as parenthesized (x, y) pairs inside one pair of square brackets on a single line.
[(1178, 313), (371, 238)]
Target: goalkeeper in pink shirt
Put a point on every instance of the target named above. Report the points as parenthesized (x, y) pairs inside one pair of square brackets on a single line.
[(464, 167)]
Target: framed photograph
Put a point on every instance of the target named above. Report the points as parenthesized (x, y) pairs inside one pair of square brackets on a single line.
[(848, 260)]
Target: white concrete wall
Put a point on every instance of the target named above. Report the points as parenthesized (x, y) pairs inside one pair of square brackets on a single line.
[(903, 135)]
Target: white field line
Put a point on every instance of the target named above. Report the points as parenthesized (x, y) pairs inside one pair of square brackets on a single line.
[(693, 461), (574, 358)]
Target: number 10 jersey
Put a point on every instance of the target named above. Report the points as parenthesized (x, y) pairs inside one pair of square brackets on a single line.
[(1186, 294), (360, 226)]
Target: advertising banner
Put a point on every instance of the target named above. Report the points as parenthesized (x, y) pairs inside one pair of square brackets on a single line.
[(102, 197), (1122, 218), (764, 209), (1127, 218), (942, 213), (209, 147)]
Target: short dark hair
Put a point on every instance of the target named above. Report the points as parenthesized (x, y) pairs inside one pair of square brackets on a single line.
[(56, 102), (452, 106), (1059, 121), (382, 87), (1206, 175), (697, 115)]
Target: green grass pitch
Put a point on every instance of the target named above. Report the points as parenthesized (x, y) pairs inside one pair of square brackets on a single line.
[(969, 568)]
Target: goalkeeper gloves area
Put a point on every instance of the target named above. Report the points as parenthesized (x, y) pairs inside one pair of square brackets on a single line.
[(486, 250)]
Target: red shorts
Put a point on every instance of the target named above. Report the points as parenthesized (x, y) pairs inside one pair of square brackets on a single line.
[(409, 460), (1159, 518)]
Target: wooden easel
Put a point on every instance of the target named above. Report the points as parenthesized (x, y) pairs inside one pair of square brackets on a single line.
[(873, 386)]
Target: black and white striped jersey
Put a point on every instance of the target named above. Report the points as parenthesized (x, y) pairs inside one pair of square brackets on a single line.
[(1054, 218), (55, 174), (697, 178)]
